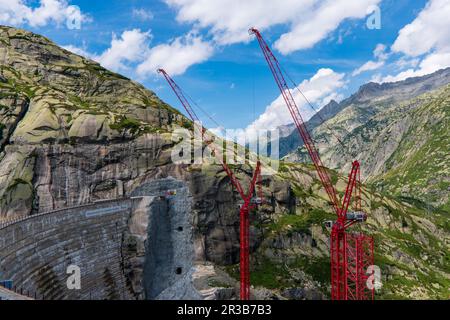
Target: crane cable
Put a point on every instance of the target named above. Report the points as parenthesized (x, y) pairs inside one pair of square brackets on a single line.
[(322, 121), (201, 109), (259, 182), (320, 117)]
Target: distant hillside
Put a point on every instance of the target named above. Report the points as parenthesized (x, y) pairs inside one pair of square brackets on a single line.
[(400, 133), (368, 101), (409, 149), (290, 139)]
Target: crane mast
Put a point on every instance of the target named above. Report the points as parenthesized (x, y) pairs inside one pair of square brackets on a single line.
[(247, 198), (339, 250)]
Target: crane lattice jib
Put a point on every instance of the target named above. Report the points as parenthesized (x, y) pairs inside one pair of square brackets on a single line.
[(244, 211), (180, 95), (293, 109), (193, 116), (352, 187)]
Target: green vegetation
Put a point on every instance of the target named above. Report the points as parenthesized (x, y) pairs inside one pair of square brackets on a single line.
[(318, 268), (269, 274), (187, 124), (419, 167), (300, 223), (79, 102), (134, 126), (272, 274), (15, 87), (218, 284), (124, 123), (17, 182)]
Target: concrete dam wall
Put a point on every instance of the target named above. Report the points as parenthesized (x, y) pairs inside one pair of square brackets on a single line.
[(125, 248), (36, 252), (169, 255)]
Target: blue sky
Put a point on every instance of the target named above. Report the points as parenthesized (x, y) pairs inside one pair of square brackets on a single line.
[(321, 43)]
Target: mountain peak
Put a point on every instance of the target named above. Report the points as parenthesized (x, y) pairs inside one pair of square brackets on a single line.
[(332, 103), (369, 95), (401, 90), (66, 97)]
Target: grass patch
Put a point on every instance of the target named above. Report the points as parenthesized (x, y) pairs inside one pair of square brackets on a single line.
[(293, 223), (17, 182), (125, 123), (269, 275), (318, 268)]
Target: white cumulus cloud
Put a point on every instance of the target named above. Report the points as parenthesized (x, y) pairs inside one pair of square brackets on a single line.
[(424, 43), (131, 46), (320, 22), (177, 56), (430, 30), (17, 12), (229, 20), (142, 14), (131, 52), (380, 54), (319, 90), (429, 64), (309, 21), (368, 66)]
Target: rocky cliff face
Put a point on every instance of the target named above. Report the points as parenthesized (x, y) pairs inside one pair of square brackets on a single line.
[(53, 103), (73, 133)]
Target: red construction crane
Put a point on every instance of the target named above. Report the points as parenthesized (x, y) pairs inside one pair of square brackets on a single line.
[(249, 202), (341, 282)]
